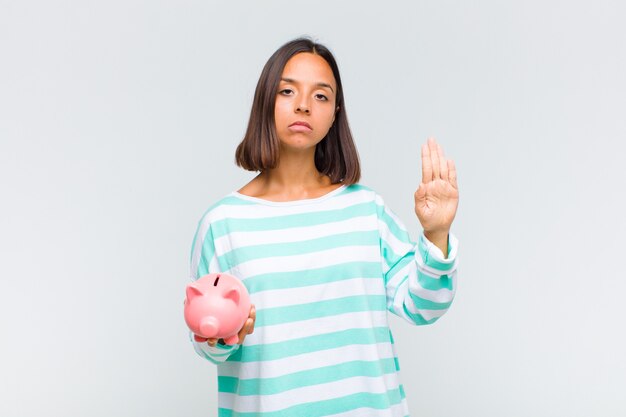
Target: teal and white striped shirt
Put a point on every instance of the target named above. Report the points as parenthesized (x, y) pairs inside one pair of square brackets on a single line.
[(322, 274)]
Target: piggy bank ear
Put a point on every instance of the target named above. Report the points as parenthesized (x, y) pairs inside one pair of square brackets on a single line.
[(232, 294), (193, 291)]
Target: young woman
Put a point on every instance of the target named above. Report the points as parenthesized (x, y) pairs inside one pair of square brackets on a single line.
[(324, 258)]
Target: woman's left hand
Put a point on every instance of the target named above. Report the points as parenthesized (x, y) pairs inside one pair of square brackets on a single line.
[(437, 197)]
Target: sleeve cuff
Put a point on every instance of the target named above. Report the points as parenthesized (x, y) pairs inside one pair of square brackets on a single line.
[(218, 349), (432, 255)]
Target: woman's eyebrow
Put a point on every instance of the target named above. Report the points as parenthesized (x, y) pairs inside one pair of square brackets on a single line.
[(319, 84)]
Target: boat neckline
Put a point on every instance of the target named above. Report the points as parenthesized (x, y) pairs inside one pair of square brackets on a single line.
[(290, 202)]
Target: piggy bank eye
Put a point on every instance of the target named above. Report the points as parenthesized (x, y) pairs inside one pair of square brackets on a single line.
[(216, 279)]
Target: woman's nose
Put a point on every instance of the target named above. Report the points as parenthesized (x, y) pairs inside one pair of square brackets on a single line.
[(303, 109), (303, 106)]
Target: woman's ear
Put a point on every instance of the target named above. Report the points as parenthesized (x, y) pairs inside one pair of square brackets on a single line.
[(334, 115)]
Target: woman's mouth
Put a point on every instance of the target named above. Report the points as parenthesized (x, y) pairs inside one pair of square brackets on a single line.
[(300, 127)]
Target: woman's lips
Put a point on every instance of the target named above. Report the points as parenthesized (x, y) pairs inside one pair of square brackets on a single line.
[(300, 127)]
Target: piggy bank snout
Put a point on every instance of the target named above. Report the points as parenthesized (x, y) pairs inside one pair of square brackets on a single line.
[(209, 326)]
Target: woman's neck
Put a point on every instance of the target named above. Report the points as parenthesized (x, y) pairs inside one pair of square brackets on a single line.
[(293, 179), (294, 183)]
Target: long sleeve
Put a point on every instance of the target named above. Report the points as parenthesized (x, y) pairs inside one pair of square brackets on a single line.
[(204, 261), (420, 283)]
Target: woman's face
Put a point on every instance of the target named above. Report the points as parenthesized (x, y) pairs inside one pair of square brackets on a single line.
[(305, 102)]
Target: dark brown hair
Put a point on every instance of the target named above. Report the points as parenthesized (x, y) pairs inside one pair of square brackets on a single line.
[(335, 156)]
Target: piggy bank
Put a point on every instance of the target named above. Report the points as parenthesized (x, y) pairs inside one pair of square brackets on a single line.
[(217, 306)]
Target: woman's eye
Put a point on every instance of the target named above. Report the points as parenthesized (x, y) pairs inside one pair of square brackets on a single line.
[(321, 97), (285, 91)]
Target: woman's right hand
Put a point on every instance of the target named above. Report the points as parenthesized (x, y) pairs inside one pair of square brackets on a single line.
[(248, 328)]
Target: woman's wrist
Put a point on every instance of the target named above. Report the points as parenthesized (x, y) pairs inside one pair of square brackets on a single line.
[(439, 239), (436, 234)]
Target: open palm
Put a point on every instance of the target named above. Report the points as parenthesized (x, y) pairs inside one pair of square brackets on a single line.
[(437, 197)]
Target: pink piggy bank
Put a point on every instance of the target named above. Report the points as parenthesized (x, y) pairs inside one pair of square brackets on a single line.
[(217, 306)]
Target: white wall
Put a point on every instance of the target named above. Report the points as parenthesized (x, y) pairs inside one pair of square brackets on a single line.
[(118, 124)]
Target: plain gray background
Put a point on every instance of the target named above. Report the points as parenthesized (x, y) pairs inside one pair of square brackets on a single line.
[(118, 124)]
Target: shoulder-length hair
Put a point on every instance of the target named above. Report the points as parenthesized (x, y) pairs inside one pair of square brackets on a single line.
[(336, 154)]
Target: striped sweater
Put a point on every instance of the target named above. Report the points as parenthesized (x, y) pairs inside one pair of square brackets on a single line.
[(322, 274)]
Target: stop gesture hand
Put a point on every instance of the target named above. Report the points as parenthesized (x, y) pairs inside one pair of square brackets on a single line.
[(437, 197)]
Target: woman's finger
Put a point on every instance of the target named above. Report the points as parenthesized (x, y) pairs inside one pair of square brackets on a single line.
[(246, 330), (434, 158), (427, 168), (452, 173), (248, 326), (443, 164)]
